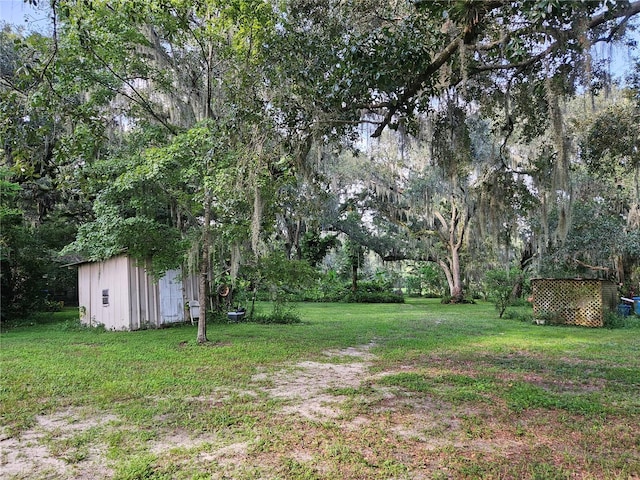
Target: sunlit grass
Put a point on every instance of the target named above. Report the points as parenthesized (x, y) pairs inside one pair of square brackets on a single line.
[(498, 377)]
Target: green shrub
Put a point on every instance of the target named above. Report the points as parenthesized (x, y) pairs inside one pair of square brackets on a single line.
[(548, 318), (332, 289), (449, 300), (614, 320), (279, 318), (499, 286), (413, 284), (75, 325), (425, 279), (214, 317), (526, 317), (372, 297)]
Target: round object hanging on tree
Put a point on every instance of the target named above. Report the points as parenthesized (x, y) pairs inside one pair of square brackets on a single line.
[(223, 290)]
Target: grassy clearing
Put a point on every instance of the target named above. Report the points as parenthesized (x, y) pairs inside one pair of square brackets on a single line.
[(429, 391)]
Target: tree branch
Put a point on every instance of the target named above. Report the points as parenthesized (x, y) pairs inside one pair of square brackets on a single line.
[(634, 9), (520, 66), (591, 267), (414, 87), (442, 220), (137, 97)]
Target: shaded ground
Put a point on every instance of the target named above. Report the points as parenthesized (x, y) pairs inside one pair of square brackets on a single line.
[(337, 419)]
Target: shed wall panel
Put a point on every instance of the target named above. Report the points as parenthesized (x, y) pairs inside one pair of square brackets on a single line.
[(104, 298), (144, 298)]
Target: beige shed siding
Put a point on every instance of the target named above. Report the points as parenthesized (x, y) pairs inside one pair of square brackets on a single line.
[(138, 312), (84, 293), (117, 313), (192, 287), (143, 293), (109, 277), (134, 285)]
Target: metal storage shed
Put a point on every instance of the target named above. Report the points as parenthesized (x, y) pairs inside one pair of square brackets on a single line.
[(120, 294)]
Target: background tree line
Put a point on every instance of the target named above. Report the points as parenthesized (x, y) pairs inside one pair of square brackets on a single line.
[(232, 138)]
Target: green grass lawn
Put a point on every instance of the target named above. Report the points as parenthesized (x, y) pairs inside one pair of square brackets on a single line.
[(444, 391)]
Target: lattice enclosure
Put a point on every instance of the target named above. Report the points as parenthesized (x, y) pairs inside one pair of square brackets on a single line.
[(573, 301)]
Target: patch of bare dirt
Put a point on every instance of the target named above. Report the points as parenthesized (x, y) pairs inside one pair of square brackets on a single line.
[(44, 451), (306, 386), (331, 422)]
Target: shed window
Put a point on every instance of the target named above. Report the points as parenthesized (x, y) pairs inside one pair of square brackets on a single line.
[(105, 297)]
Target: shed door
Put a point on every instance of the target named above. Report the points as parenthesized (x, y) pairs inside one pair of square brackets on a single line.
[(171, 307)]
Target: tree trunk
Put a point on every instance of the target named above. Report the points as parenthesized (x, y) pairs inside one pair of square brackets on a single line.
[(186, 311), (447, 273), (451, 269), (354, 278), (452, 235), (518, 287), (202, 318), (204, 272), (457, 293), (204, 259)]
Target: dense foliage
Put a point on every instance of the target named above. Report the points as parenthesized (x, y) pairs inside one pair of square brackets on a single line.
[(217, 137)]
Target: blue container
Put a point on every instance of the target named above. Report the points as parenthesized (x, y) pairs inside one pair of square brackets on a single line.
[(624, 309), (636, 305)]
